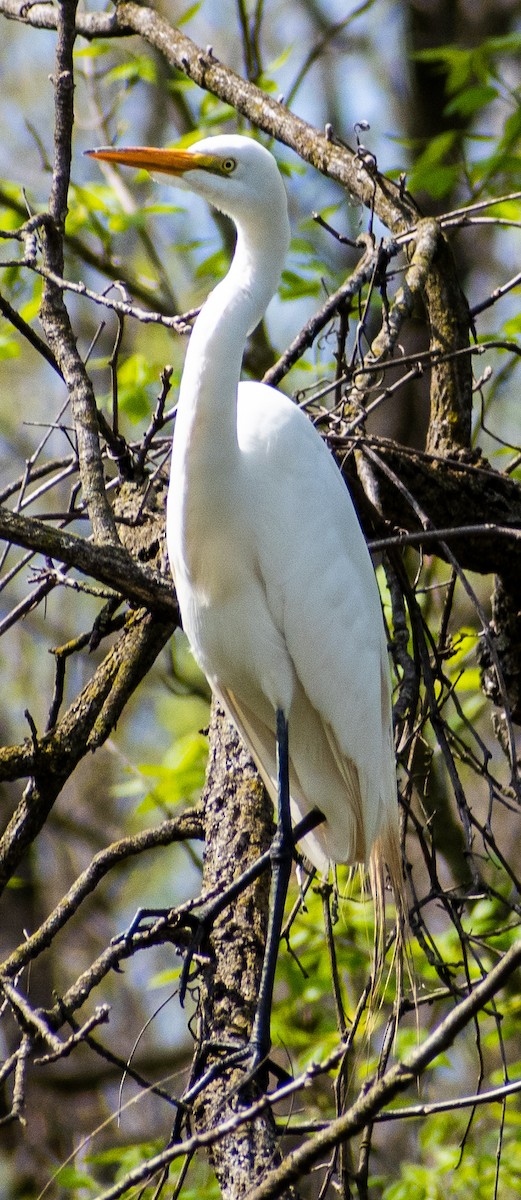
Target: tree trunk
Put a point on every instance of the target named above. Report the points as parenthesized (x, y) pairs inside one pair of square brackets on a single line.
[(239, 827)]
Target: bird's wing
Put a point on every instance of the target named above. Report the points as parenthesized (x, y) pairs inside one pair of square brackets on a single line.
[(324, 599)]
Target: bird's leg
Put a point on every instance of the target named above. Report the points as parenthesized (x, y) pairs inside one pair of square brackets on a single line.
[(281, 855), (137, 923)]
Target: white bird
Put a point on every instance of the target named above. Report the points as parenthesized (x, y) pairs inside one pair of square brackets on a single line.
[(274, 579)]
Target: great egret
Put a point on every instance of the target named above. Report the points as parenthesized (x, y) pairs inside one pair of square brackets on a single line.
[(274, 579)]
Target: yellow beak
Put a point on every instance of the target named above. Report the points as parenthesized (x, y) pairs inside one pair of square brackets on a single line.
[(168, 162)]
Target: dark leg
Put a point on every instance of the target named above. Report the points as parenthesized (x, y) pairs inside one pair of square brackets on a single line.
[(281, 854)]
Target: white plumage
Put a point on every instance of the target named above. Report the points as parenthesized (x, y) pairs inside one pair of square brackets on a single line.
[(274, 579)]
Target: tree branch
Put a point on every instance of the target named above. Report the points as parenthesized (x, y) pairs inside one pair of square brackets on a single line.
[(238, 829), (453, 492), (447, 311), (53, 314), (397, 211), (85, 726), (113, 566), (188, 825)]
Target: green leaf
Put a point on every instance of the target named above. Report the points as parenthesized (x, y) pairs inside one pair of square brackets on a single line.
[(93, 50), (125, 1157), (431, 173), (512, 327), (120, 221), (471, 100), (512, 129), (507, 43), (163, 208), (188, 14), (31, 308), (180, 777), (165, 978), (9, 217), (268, 85), (438, 181), (213, 111), (214, 266), (281, 59), (138, 70), (135, 377), (295, 286), (74, 1180), (454, 62)]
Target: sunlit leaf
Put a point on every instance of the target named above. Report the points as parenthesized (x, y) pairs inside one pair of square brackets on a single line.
[(471, 100)]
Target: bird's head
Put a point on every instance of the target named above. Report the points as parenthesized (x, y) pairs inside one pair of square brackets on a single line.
[(235, 174)]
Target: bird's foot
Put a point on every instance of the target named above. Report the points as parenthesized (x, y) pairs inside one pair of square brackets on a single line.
[(258, 1067), (252, 1062), (185, 929), (188, 929), (142, 922)]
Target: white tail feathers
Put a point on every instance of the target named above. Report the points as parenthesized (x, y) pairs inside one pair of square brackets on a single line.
[(385, 864)]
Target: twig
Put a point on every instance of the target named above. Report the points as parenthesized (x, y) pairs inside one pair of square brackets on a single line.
[(186, 826), (492, 1096), (312, 328)]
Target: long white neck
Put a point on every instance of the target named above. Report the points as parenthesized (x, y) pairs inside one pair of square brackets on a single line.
[(206, 422)]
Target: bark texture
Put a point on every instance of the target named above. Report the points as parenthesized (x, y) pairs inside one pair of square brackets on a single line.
[(239, 827)]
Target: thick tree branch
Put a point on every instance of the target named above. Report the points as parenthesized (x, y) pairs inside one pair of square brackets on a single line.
[(85, 726), (112, 566), (454, 493), (337, 161), (451, 378), (395, 210), (238, 828), (43, 16), (53, 314)]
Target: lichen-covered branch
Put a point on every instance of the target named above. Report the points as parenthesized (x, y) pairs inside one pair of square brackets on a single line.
[(453, 493), (448, 317), (424, 248), (53, 313), (50, 760), (113, 566)]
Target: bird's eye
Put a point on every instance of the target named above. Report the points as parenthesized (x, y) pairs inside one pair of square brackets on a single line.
[(228, 165)]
